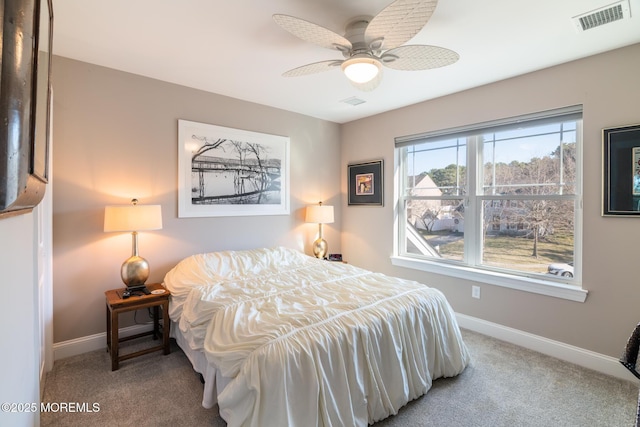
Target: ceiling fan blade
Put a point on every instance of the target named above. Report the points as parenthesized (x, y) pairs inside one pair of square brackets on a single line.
[(418, 57), (400, 22), (316, 67), (313, 33)]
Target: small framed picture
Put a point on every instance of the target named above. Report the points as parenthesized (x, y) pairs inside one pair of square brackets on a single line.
[(366, 183)]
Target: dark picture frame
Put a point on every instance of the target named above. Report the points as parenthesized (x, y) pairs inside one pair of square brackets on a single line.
[(366, 184), (42, 93), (621, 171), (25, 103)]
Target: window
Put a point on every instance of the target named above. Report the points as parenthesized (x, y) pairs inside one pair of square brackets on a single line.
[(498, 202)]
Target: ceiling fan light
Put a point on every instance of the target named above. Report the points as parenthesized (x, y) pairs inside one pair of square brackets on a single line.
[(361, 69)]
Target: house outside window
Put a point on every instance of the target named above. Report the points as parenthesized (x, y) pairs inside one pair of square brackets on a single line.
[(498, 201)]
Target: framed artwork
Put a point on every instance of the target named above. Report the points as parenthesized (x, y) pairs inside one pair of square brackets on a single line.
[(42, 95), (365, 183), (621, 171), (231, 172), (26, 100)]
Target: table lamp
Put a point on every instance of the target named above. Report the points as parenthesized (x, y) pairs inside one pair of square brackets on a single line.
[(321, 215), (133, 218)]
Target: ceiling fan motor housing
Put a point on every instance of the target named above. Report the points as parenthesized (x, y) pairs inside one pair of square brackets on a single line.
[(355, 33)]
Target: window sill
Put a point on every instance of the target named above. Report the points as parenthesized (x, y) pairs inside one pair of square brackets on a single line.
[(537, 286)]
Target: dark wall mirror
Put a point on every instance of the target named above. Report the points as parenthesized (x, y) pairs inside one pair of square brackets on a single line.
[(25, 102)]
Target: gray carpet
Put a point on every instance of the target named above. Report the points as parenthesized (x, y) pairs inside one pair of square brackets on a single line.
[(504, 385)]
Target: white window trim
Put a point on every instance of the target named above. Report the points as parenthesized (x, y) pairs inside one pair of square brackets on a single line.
[(536, 286), (553, 288)]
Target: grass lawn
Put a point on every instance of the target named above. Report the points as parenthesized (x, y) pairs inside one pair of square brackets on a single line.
[(515, 253)]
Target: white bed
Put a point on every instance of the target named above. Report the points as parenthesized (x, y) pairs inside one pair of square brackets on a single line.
[(284, 339)]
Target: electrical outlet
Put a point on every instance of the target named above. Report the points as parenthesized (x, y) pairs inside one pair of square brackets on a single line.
[(475, 292)]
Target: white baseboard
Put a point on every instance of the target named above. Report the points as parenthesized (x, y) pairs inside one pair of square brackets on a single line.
[(579, 356), (93, 342)]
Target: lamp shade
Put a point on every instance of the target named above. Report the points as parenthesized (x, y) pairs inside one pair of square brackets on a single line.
[(132, 218), (319, 214)]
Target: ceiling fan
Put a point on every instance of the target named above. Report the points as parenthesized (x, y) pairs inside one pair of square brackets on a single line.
[(369, 43)]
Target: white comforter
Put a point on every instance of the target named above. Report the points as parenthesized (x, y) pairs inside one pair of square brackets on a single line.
[(310, 342)]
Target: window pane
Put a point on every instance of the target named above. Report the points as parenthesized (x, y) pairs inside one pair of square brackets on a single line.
[(436, 168), (537, 160), (528, 235), (435, 228), (520, 194)]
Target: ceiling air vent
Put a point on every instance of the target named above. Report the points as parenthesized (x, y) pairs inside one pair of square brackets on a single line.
[(353, 101), (604, 15)]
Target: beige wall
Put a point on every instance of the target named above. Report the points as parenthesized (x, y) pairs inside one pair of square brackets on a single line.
[(116, 138), (608, 86)]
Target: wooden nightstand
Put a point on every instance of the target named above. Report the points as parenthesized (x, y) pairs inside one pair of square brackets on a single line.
[(116, 305)]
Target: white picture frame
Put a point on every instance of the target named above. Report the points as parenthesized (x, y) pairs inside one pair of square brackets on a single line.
[(231, 172)]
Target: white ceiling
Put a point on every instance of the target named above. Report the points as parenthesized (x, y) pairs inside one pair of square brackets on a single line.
[(234, 48)]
